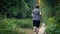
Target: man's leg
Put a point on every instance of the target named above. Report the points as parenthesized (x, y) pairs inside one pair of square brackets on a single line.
[(34, 25), (37, 30), (34, 28)]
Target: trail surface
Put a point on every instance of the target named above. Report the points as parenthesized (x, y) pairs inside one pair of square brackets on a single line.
[(42, 29), (29, 31)]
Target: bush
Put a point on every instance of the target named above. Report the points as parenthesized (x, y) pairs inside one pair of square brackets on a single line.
[(10, 26), (24, 23), (7, 26), (52, 26)]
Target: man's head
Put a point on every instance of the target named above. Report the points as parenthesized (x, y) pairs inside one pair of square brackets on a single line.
[(37, 6)]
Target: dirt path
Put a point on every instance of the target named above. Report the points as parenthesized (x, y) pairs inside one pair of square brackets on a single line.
[(42, 29), (29, 31)]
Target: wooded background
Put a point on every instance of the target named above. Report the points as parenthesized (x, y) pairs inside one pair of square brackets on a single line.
[(16, 14), (16, 8)]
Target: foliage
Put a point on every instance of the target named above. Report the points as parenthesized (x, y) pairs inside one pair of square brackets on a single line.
[(24, 23), (13, 8), (51, 15), (7, 26), (10, 26), (52, 26)]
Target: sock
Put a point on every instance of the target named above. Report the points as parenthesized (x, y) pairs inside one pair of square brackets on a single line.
[(34, 29)]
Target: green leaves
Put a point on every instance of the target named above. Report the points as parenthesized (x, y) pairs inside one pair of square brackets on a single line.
[(51, 15), (17, 6)]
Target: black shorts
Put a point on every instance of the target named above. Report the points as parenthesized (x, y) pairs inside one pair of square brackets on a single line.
[(36, 23)]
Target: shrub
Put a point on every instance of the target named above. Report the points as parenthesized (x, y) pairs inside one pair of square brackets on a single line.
[(10, 26), (7, 26), (52, 26), (24, 23)]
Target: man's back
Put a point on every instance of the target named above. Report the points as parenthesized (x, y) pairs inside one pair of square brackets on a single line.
[(36, 14)]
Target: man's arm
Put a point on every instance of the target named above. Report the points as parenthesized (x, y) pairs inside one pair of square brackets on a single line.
[(40, 14)]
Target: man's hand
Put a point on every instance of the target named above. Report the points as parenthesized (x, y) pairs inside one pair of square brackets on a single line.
[(40, 14)]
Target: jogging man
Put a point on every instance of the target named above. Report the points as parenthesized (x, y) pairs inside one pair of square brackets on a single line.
[(36, 15)]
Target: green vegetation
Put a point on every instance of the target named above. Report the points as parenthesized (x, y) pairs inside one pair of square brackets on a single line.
[(51, 15), (52, 26), (16, 8), (10, 26), (16, 14)]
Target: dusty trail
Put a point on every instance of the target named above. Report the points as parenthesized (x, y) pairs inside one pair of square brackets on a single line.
[(42, 29)]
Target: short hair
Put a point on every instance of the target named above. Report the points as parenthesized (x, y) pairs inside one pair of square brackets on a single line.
[(37, 6)]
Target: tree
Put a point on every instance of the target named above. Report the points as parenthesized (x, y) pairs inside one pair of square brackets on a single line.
[(16, 6)]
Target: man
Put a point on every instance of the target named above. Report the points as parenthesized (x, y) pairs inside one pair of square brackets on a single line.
[(36, 15)]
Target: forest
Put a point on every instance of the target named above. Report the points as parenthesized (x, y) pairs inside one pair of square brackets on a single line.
[(16, 8), (15, 16)]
